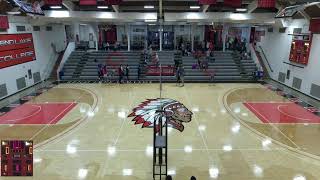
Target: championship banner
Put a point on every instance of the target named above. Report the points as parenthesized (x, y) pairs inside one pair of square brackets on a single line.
[(15, 41), (267, 4), (233, 3), (17, 56), (53, 2), (88, 2), (314, 26), (207, 2), (4, 23), (112, 2)]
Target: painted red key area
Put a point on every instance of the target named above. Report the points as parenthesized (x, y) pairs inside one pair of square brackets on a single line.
[(48, 113), (281, 113)]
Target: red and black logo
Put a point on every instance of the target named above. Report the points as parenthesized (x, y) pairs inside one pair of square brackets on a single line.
[(150, 111)]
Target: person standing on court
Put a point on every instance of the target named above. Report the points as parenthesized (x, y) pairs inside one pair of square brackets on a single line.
[(139, 71), (211, 49), (121, 73), (182, 75), (127, 72), (178, 75)]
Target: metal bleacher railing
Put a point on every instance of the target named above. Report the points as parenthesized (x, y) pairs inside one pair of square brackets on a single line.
[(265, 58)]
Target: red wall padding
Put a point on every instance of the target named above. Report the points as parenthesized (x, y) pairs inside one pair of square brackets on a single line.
[(315, 25), (266, 3), (233, 3), (4, 23), (207, 2), (53, 2), (88, 2)]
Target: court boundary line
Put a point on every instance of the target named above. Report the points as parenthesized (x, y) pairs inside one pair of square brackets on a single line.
[(47, 125), (35, 104), (268, 122), (79, 121), (102, 172), (278, 108), (197, 122), (273, 125), (18, 119), (298, 153), (257, 112), (71, 104)]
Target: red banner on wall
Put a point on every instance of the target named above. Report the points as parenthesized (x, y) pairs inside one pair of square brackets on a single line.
[(112, 2), (4, 23), (16, 49), (267, 4), (88, 2), (315, 25), (15, 41), (17, 56), (207, 2), (233, 3), (53, 2)]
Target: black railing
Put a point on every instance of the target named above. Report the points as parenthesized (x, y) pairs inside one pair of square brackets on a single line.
[(265, 57)]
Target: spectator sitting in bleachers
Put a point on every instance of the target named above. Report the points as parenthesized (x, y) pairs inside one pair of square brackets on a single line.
[(107, 46), (205, 64), (150, 52), (117, 46)]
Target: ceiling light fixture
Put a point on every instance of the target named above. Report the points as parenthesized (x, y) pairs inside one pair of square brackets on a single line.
[(241, 9), (13, 12), (59, 14), (148, 7), (194, 7), (150, 20), (238, 16), (55, 7), (102, 7)]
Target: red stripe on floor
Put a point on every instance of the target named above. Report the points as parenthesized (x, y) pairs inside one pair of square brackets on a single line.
[(48, 113), (281, 113)]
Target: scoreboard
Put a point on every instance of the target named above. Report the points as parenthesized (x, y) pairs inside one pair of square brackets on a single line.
[(16, 158), (300, 48)]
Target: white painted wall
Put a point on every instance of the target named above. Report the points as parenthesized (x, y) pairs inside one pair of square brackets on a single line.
[(277, 48), (44, 53)]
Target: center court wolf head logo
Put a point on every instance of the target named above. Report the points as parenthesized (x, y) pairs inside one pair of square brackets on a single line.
[(151, 110)]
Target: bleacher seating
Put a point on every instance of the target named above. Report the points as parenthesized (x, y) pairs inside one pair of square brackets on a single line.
[(88, 63), (83, 65), (222, 65)]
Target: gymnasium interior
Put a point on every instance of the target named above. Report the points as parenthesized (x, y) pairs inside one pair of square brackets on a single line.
[(160, 89)]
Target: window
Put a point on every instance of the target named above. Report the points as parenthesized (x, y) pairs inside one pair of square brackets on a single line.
[(36, 28), (49, 28), (21, 28)]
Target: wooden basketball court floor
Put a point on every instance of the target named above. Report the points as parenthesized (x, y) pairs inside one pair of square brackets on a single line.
[(238, 131)]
